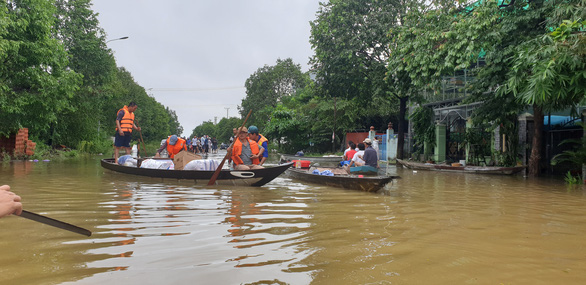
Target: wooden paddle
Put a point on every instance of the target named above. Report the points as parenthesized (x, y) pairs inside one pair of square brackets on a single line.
[(55, 223), (143, 144), (215, 176)]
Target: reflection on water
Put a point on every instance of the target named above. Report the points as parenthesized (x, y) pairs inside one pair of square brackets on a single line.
[(426, 228)]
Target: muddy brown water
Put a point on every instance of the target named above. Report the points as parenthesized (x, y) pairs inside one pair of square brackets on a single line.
[(426, 228)]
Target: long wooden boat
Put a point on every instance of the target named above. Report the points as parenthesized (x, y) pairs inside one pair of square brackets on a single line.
[(346, 181), (257, 177), (464, 169), (321, 160)]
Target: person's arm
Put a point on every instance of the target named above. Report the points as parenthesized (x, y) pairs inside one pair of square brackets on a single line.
[(265, 153), (118, 119), (9, 202), (164, 146)]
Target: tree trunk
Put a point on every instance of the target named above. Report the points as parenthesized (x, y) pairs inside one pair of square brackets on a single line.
[(401, 127), (584, 135), (535, 158)]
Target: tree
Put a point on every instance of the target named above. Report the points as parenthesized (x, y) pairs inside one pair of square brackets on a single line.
[(351, 41), (206, 128), (289, 129), (451, 38), (224, 128), (35, 83), (77, 27), (267, 86)]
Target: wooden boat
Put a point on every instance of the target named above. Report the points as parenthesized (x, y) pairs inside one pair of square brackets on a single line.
[(257, 177), (341, 179), (365, 169), (464, 169), (321, 160)]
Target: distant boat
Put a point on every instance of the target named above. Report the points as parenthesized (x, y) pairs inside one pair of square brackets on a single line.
[(465, 169), (341, 179), (256, 177)]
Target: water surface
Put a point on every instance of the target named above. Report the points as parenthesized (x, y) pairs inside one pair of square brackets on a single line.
[(426, 228)]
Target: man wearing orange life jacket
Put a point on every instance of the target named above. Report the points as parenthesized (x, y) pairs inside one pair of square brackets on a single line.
[(174, 145), (245, 152), (262, 142), (124, 126)]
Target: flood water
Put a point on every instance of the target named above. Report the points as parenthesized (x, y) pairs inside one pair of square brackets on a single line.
[(426, 228)]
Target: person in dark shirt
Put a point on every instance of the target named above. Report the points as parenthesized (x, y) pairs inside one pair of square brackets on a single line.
[(370, 156)]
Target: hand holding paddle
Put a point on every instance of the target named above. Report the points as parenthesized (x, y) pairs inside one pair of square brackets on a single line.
[(217, 173), (10, 204)]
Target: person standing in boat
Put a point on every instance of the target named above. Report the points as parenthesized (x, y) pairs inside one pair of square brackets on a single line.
[(245, 152), (124, 126), (261, 141), (370, 156), (174, 145)]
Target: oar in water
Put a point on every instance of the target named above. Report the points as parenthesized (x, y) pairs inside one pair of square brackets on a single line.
[(55, 223), (215, 176)]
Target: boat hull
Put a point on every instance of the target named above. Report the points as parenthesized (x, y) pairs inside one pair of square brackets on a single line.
[(322, 161), (257, 177), (463, 169), (353, 182)]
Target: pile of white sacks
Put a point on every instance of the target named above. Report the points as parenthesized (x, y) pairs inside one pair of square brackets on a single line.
[(201, 164)]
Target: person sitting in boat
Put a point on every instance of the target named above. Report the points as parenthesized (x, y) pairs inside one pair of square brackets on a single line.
[(261, 141), (174, 145), (245, 152), (350, 152), (370, 156), (357, 160)]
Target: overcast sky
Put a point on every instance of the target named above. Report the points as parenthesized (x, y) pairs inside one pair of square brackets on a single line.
[(194, 56)]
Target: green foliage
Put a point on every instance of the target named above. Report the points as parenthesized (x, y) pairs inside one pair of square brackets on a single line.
[(35, 83), (550, 71), (351, 47), (206, 128), (573, 180), (577, 155), (222, 131), (59, 79), (289, 129), (268, 86), (423, 126), (95, 146)]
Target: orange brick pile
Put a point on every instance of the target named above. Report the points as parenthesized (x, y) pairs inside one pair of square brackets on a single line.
[(18, 144)]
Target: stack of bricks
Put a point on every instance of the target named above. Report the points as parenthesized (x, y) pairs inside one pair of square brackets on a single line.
[(18, 144)]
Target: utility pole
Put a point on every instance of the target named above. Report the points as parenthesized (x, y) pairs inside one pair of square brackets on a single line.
[(334, 130), (227, 109)]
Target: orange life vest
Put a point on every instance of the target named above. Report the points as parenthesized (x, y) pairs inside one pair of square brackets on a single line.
[(261, 140), (127, 121), (175, 149), (237, 151)]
